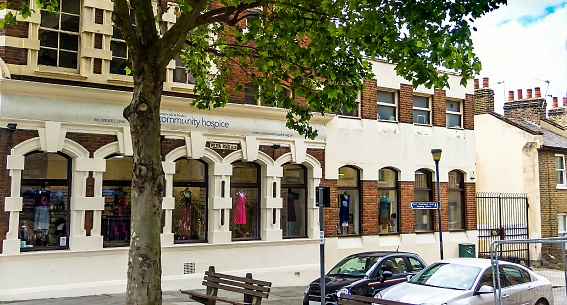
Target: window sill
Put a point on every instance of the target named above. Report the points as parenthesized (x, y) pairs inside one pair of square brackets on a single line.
[(420, 124), (561, 187), (349, 117), (387, 121), (60, 74), (456, 128)]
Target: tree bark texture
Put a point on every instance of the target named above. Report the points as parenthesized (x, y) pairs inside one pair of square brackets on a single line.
[(148, 181)]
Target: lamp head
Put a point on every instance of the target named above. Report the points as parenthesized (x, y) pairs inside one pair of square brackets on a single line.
[(12, 126), (436, 153)]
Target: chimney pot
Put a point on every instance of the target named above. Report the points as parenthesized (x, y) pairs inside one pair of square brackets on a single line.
[(520, 94), (565, 102), (510, 96), (476, 83), (537, 92), (555, 102), (485, 82), (529, 93)]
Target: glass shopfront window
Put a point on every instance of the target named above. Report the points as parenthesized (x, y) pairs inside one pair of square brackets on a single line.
[(388, 201), (294, 195), (348, 189), (245, 193), (45, 191), (116, 190), (190, 192), (423, 192), (456, 200)]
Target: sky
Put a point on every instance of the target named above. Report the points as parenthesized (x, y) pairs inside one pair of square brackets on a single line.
[(523, 45)]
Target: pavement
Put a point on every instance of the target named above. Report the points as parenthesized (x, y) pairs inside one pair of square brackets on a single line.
[(278, 295)]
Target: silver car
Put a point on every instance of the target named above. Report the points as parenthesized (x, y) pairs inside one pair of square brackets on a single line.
[(460, 281)]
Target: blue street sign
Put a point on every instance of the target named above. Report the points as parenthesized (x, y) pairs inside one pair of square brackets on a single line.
[(423, 204)]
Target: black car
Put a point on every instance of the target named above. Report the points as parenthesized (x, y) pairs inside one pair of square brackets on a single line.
[(364, 274)]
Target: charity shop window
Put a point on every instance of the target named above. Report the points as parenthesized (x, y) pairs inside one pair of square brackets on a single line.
[(456, 200), (421, 110), (190, 192), (245, 189), (348, 190), (46, 185), (388, 201), (423, 192), (294, 195), (59, 34), (117, 193)]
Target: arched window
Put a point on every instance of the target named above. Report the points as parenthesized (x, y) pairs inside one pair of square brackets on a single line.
[(44, 219), (388, 200), (456, 200), (190, 192), (245, 189), (423, 192), (348, 189), (116, 190), (294, 195)]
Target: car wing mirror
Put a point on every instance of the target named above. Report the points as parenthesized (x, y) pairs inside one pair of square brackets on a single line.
[(484, 289), (408, 278), (385, 275)]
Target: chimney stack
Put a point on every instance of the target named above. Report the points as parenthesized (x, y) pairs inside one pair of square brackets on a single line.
[(485, 82), (530, 109), (510, 96), (529, 93), (476, 83), (565, 102), (555, 102), (520, 94), (558, 114), (537, 92)]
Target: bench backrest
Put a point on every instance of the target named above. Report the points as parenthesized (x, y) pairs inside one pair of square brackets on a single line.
[(238, 284)]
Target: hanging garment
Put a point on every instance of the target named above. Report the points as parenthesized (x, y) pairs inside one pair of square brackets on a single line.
[(240, 209), (344, 209), (41, 218), (291, 207)]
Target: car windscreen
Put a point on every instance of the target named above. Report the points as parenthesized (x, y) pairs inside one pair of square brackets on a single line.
[(444, 275), (354, 266)]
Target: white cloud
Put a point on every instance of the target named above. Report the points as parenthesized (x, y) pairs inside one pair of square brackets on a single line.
[(524, 44)]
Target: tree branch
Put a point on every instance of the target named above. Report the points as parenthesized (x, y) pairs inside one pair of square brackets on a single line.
[(121, 17)]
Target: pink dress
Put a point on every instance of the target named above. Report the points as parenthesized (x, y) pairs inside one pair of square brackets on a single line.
[(240, 209)]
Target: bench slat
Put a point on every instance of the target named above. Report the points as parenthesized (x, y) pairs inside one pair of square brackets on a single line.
[(236, 284), (236, 289), (197, 295), (238, 278)]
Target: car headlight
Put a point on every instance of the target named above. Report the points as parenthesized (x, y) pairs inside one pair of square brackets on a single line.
[(342, 291), (306, 290)]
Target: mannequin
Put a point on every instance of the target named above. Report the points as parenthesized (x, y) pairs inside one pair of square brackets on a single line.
[(344, 203)]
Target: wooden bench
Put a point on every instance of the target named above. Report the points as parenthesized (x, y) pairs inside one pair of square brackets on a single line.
[(351, 299), (253, 290)]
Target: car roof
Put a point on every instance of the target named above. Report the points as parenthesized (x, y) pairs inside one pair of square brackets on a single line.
[(381, 253), (475, 262)]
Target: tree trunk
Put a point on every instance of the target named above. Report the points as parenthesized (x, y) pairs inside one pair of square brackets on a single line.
[(148, 182)]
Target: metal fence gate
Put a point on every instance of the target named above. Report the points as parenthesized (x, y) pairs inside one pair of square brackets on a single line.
[(503, 216)]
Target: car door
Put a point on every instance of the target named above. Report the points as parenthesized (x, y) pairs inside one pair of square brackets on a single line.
[(520, 288), (394, 264)]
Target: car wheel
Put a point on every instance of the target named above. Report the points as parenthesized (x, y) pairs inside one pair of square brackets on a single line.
[(542, 302)]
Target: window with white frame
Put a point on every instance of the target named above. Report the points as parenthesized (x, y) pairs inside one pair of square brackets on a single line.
[(119, 50), (454, 114), (355, 112), (421, 110), (387, 106), (59, 36), (251, 95), (252, 15), (180, 74), (561, 224), (560, 170)]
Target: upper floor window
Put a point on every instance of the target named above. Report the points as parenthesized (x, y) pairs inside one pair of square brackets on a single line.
[(180, 75), (386, 108), (561, 224), (59, 36), (251, 95), (421, 110), (119, 49), (454, 114), (252, 15), (560, 170)]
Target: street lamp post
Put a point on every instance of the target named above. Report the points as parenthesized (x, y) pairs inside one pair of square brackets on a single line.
[(436, 153)]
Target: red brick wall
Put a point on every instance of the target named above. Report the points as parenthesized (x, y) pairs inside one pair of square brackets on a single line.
[(406, 216), (369, 207), (368, 99), (14, 56), (468, 111), (444, 207), (470, 206), (406, 104), (19, 30), (439, 108)]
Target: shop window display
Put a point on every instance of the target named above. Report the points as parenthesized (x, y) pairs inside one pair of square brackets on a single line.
[(190, 192), (294, 195), (423, 192), (44, 219), (388, 201), (245, 194), (116, 190), (349, 201), (456, 201)]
